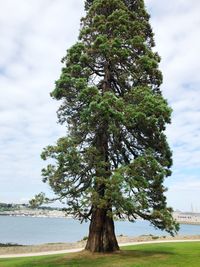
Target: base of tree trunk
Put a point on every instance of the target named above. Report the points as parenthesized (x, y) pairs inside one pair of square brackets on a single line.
[(101, 233)]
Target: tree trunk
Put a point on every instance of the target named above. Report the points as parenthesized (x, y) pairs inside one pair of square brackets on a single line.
[(101, 233)]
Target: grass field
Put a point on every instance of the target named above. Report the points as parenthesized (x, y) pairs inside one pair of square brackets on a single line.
[(151, 255)]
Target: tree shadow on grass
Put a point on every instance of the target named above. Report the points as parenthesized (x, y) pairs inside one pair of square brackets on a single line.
[(120, 258), (144, 253), (82, 259)]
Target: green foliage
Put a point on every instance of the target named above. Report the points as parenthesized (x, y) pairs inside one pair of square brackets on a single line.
[(38, 200), (85, 238), (115, 155), (7, 207), (3, 245), (12, 207)]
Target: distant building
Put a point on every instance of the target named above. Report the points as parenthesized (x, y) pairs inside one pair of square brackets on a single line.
[(187, 217)]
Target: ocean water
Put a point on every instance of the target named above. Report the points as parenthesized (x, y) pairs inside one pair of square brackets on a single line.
[(31, 230)]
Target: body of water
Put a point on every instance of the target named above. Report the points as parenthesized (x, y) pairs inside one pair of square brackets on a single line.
[(31, 230)]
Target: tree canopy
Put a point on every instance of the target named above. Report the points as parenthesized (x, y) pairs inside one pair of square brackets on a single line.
[(115, 156)]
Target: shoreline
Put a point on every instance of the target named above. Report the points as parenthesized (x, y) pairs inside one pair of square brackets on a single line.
[(56, 248), (70, 217), (60, 250), (37, 216)]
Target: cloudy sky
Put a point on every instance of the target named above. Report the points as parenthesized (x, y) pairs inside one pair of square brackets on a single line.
[(34, 35)]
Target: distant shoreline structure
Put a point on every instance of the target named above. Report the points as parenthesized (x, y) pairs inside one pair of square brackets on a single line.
[(187, 217), (25, 210), (36, 213), (34, 216), (181, 217)]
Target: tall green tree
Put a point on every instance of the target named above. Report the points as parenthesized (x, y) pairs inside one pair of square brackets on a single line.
[(114, 158)]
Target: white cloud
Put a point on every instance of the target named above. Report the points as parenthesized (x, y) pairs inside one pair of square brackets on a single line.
[(184, 193), (177, 34), (35, 36)]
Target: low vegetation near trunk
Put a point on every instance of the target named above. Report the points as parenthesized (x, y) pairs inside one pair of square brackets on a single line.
[(114, 158)]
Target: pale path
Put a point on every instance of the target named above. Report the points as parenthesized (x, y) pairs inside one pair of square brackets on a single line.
[(80, 249)]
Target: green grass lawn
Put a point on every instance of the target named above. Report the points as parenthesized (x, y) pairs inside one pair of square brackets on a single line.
[(151, 255)]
